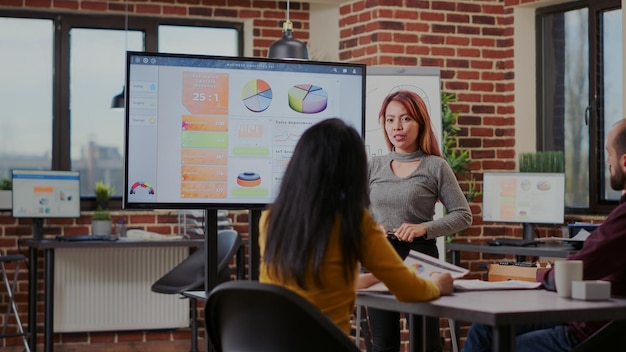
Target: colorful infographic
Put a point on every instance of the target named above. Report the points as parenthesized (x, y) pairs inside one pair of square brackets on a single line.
[(205, 92), (307, 98), (141, 184), (257, 95)]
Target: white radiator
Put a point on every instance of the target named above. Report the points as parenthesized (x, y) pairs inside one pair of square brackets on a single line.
[(106, 289)]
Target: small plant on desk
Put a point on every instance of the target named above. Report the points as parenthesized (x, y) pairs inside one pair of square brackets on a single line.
[(101, 218)]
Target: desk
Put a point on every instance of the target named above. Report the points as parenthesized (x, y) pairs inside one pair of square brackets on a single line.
[(542, 250), (48, 246), (497, 309)]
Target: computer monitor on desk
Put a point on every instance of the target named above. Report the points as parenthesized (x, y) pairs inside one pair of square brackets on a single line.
[(41, 194), (526, 198)]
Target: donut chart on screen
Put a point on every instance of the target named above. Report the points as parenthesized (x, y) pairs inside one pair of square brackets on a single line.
[(257, 95), (141, 184), (249, 179), (307, 98)]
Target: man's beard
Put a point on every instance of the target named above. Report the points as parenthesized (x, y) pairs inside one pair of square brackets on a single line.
[(617, 179)]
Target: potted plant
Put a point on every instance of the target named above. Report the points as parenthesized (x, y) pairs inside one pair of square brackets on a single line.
[(6, 193), (542, 161), (101, 218)]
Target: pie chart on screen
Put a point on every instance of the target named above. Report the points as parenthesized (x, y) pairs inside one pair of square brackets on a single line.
[(257, 95), (307, 98)]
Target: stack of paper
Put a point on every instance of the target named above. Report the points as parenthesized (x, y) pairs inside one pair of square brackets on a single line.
[(480, 285), (423, 265)]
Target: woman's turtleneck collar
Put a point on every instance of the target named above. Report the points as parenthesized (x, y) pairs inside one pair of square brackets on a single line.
[(407, 157)]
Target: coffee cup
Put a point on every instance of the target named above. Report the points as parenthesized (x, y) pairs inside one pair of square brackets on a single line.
[(565, 272)]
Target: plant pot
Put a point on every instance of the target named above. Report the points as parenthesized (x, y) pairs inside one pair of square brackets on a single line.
[(6, 199), (101, 227)]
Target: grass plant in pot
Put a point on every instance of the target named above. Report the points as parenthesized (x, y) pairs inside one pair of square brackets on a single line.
[(6, 193), (101, 219)]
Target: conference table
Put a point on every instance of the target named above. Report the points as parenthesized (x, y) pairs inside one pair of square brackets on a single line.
[(48, 246), (501, 309)]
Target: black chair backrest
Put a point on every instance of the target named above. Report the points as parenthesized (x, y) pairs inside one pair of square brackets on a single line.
[(253, 316), (608, 338), (188, 275)]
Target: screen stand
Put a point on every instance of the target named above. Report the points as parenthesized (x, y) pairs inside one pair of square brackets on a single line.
[(38, 229), (210, 247), (529, 231)]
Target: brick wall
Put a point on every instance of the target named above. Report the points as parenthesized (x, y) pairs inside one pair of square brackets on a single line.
[(267, 16)]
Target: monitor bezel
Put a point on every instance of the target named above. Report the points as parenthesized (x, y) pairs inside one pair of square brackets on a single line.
[(126, 204)]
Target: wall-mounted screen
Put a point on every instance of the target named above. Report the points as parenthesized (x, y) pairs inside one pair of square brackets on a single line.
[(528, 198), (208, 131), (46, 194)]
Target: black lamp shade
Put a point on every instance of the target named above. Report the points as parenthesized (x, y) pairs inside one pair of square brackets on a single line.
[(288, 47), (118, 100)]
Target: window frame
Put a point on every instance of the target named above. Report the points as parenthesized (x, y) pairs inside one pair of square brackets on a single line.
[(597, 163), (63, 22)]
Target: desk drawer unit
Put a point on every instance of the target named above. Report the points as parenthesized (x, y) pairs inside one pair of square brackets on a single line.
[(108, 289)]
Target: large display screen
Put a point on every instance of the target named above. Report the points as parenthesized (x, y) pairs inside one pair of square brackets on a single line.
[(534, 198), (46, 194), (208, 131)]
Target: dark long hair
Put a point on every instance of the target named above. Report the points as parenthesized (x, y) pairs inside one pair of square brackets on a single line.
[(416, 107), (325, 182)]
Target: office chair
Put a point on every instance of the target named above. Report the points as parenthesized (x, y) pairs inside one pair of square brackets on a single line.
[(189, 274), (252, 316), (607, 338), (11, 306)]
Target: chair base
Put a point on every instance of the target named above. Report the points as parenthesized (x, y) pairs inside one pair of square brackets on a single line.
[(193, 305)]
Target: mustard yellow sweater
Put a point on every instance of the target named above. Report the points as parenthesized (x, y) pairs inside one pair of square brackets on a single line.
[(336, 297)]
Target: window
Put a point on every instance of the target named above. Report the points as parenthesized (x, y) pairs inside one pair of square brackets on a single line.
[(579, 94), (65, 121), (25, 94)]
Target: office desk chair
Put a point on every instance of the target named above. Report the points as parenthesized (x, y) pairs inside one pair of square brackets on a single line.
[(608, 338), (11, 306), (252, 316), (189, 274)]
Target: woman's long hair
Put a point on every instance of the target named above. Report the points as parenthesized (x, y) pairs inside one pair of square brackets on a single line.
[(416, 107), (325, 182)]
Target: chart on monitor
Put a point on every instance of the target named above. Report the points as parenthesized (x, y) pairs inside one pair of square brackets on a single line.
[(526, 198), (206, 131), (41, 194)]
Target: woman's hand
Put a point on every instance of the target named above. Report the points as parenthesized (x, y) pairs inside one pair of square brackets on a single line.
[(444, 281), (366, 280), (409, 232)]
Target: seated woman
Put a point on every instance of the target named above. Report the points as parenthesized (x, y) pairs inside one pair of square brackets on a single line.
[(318, 232)]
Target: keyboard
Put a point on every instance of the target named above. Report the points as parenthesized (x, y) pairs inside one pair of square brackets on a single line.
[(75, 238), (515, 242)]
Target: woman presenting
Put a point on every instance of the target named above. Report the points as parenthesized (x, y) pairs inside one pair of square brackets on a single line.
[(405, 185)]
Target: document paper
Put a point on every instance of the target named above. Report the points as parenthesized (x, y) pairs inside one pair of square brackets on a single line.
[(423, 265), (480, 285)]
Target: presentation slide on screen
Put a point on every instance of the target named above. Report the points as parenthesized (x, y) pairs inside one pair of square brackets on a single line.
[(41, 194), (220, 135), (524, 197)]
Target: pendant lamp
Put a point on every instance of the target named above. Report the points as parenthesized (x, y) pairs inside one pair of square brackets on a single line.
[(287, 47), (118, 101)]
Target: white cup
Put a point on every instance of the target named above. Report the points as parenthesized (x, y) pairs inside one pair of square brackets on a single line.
[(565, 272)]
